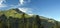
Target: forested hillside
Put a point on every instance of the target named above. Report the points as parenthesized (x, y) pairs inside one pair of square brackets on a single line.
[(14, 18)]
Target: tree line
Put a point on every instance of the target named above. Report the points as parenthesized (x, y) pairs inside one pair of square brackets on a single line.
[(20, 23)]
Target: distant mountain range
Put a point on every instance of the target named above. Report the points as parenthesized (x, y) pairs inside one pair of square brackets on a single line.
[(14, 18)]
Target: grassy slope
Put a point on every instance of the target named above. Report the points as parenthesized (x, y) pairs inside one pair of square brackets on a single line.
[(13, 13)]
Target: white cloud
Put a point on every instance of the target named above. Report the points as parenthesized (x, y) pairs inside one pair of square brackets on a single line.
[(30, 14), (23, 9), (1, 3), (22, 2), (27, 10)]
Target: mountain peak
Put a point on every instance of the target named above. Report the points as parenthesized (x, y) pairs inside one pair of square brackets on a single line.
[(17, 10), (14, 12)]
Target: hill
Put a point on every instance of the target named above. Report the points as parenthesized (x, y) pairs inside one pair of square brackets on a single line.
[(14, 18)]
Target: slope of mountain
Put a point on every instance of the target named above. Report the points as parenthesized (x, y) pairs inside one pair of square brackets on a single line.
[(16, 13), (14, 18)]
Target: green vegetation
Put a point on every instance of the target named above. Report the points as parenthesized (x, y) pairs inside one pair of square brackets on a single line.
[(14, 18)]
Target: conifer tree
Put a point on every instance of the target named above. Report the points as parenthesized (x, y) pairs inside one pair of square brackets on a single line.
[(3, 18), (38, 21), (24, 20)]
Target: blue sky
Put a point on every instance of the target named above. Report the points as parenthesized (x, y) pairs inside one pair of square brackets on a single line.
[(46, 8)]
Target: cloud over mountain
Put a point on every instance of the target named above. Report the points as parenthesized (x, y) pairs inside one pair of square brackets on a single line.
[(25, 10)]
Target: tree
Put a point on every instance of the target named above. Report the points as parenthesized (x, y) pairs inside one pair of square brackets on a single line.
[(38, 21), (24, 20), (4, 21)]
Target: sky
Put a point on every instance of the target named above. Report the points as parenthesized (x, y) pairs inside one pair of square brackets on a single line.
[(46, 8)]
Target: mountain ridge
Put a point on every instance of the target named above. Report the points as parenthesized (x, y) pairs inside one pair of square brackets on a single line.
[(16, 15)]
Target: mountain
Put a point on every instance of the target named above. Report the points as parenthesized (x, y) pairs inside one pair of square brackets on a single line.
[(14, 18), (13, 12)]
